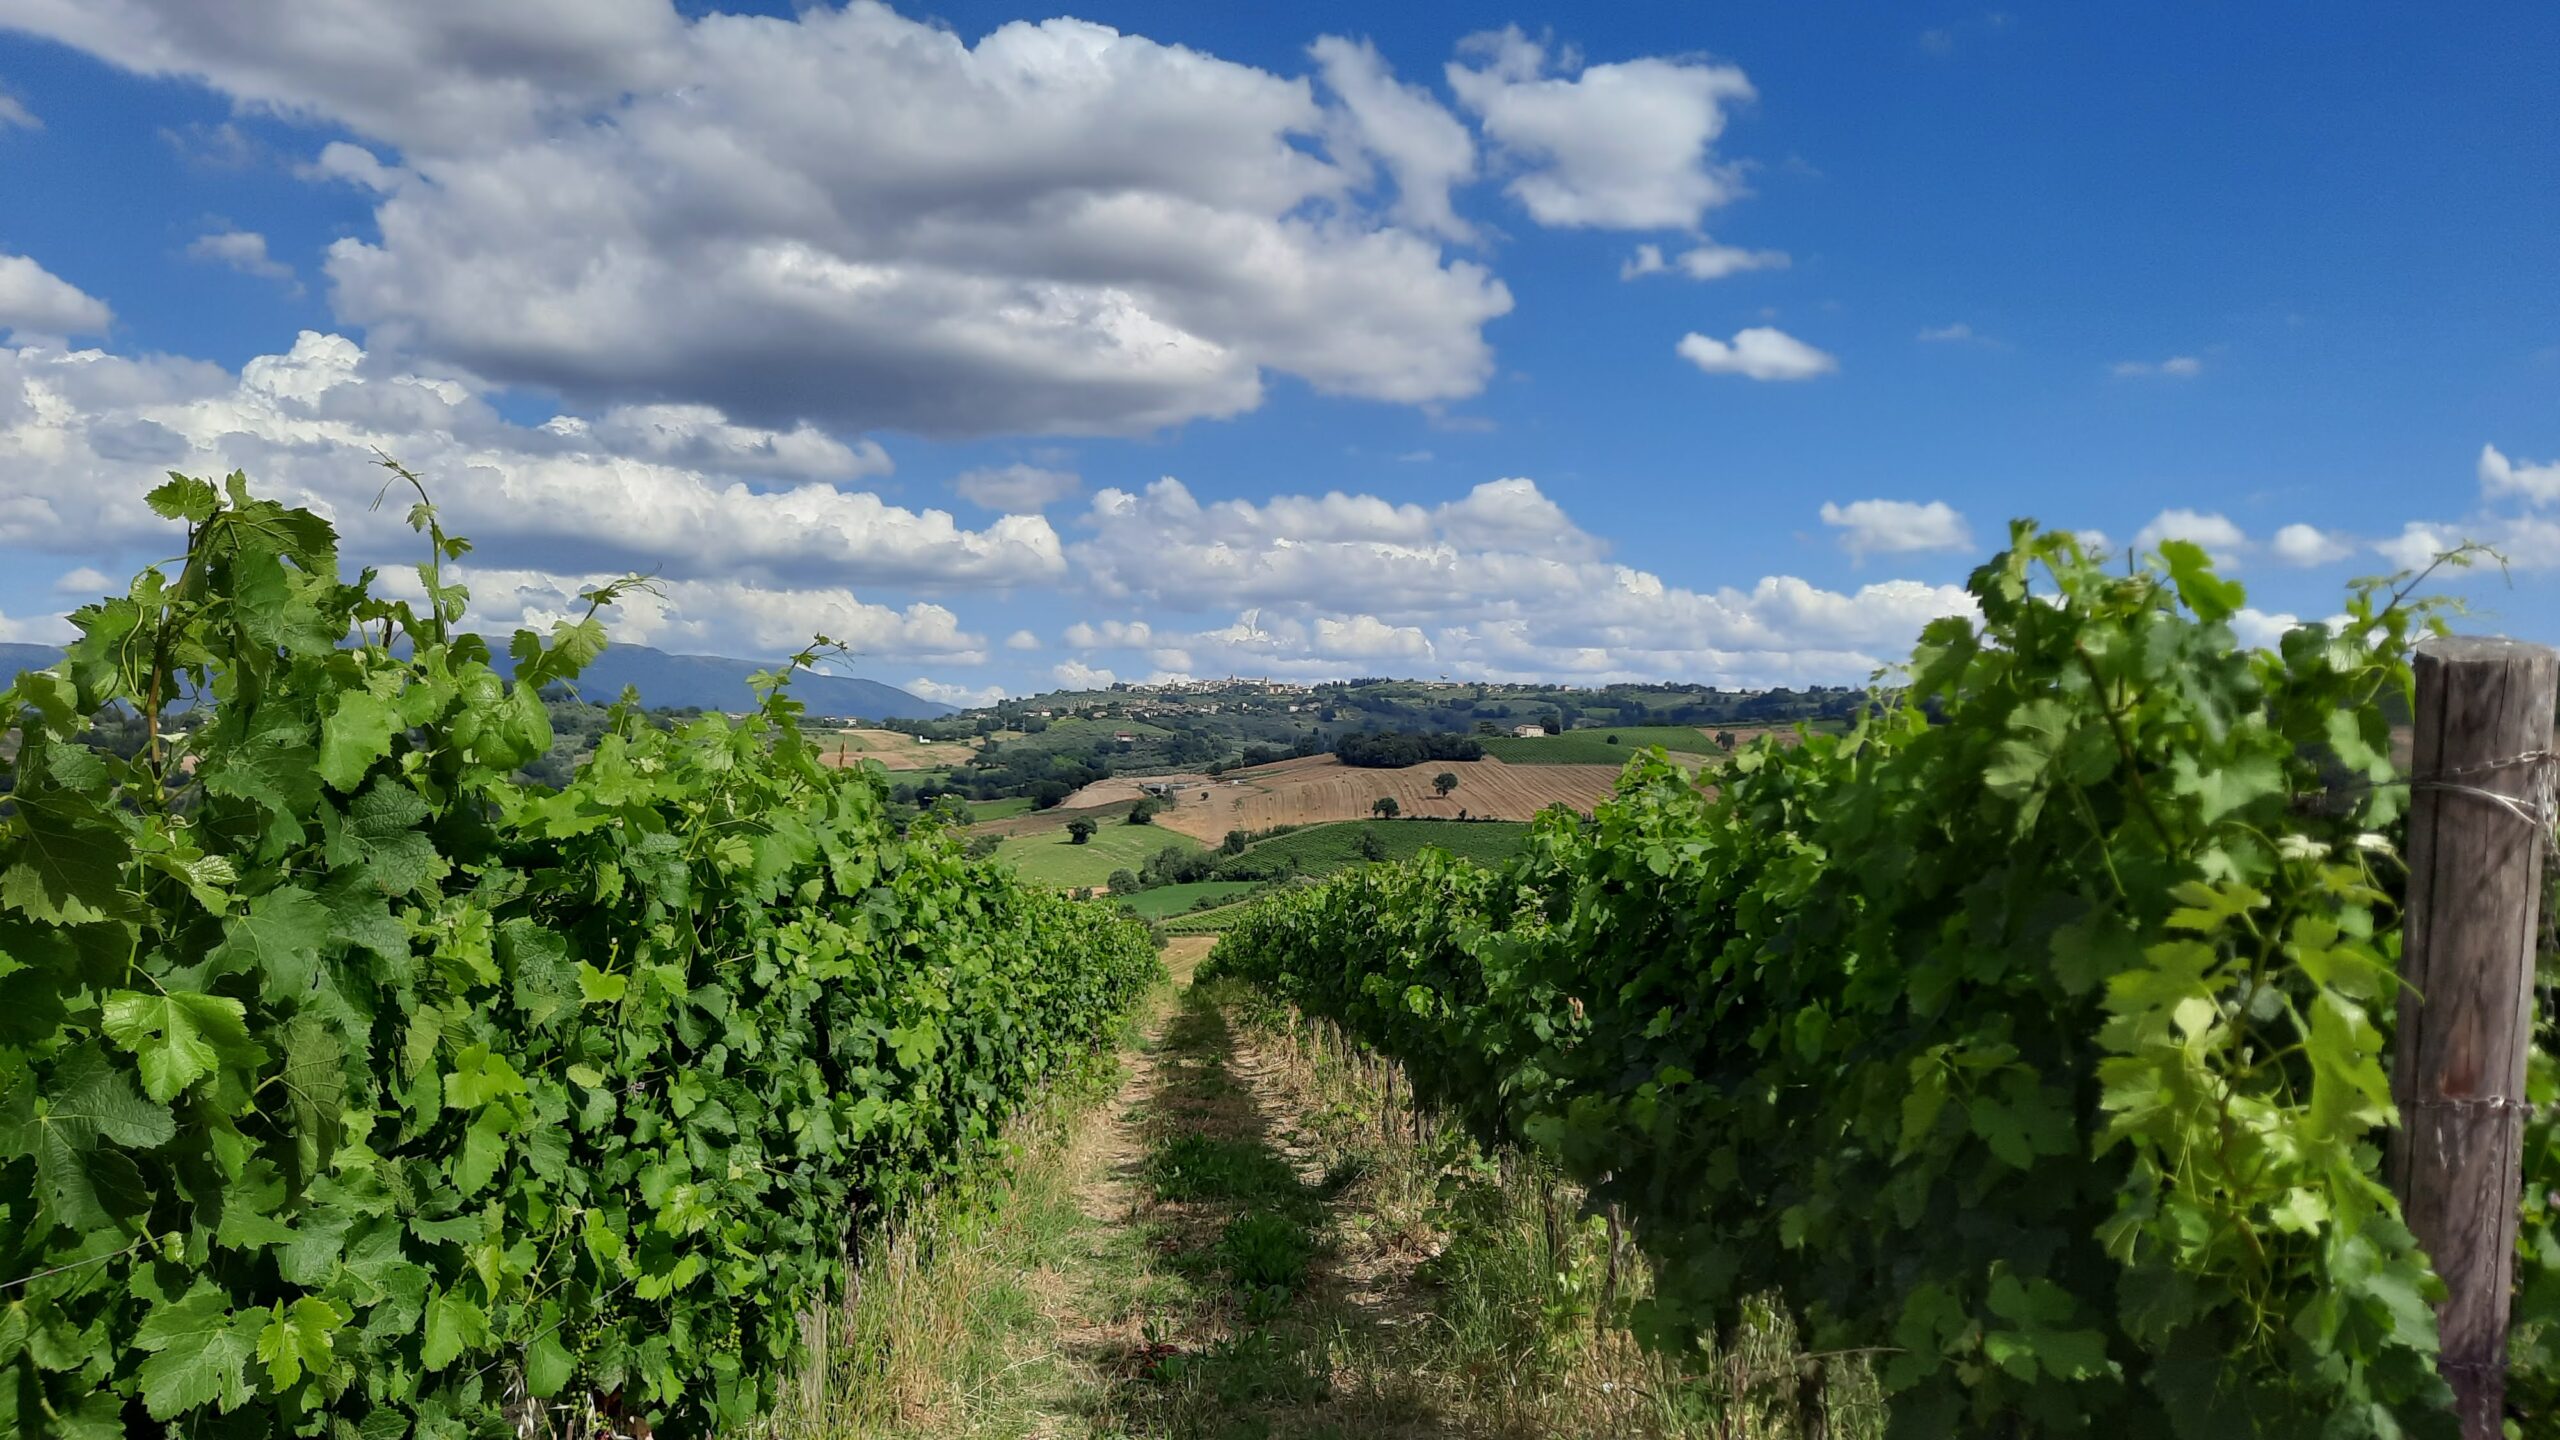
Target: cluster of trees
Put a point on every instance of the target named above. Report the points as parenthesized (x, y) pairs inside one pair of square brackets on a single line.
[(1172, 865), (1395, 749), (1270, 754), (121, 730), (1047, 776)]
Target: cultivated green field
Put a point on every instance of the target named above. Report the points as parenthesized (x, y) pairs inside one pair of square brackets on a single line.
[(1046, 857), (1166, 901), (1592, 747), (1207, 922), (1005, 809), (1323, 849), (1074, 733)]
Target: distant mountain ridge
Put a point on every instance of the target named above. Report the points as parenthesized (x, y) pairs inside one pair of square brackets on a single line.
[(713, 682), (717, 682), (14, 658)]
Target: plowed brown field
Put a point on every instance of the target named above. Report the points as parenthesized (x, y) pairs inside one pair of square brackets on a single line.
[(1317, 789)]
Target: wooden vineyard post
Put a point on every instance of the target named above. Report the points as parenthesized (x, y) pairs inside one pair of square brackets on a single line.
[(2479, 821)]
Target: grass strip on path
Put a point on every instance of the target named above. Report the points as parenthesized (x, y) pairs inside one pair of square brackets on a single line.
[(1251, 1238)]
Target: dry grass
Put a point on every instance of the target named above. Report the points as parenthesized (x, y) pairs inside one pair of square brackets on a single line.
[(1255, 1237), (1519, 1298), (948, 1329)]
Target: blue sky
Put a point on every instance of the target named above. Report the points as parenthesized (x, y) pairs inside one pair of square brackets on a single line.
[(892, 323)]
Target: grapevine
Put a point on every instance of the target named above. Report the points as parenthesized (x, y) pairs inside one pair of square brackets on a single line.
[(2028, 1037), (352, 1085)]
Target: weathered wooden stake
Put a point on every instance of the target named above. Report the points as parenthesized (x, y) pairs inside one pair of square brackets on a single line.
[(2484, 721)]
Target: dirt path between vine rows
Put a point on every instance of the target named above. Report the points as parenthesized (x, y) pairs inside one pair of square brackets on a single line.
[(1248, 1239), (1229, 1280), (1250, 1257)]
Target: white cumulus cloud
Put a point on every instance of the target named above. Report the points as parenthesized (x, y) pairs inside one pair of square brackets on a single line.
[(1110, 635), (2260, 629), (967, 697), (1627, 145), (2222, 540), (746, 528), (851, 217), (1761, 353), (1894, 527), (1426, 149), (244, 251), (1497, 584), (37, 301), (714, 616), (2509, 519), (1704, 261), (701, 438), (2299, 544), (2501, 477), (87, 582), (32, 630)]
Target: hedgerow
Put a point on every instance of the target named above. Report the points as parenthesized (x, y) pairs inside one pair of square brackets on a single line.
[(2026, 1039), (352, 1085)]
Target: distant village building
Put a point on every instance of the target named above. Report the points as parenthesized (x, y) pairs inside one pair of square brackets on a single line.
[(1529, 732), (1125, 738)]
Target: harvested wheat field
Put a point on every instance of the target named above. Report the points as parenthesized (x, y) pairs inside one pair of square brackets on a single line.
[(893, 750), (1318, 789)]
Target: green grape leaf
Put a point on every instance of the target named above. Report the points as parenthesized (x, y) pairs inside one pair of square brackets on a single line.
[(2191, 570), (200, 1353), (455, 1327), (478, 1077), (598, 988), (2230, 786), (278, 778), (300, 1337), (92, 1099), (548, 1366), (378, 838), (356, 734), (484, 1150), (315, 1088), (279, 941), (65, 867), (182, 498), (85, 1187), (180, 1037)]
